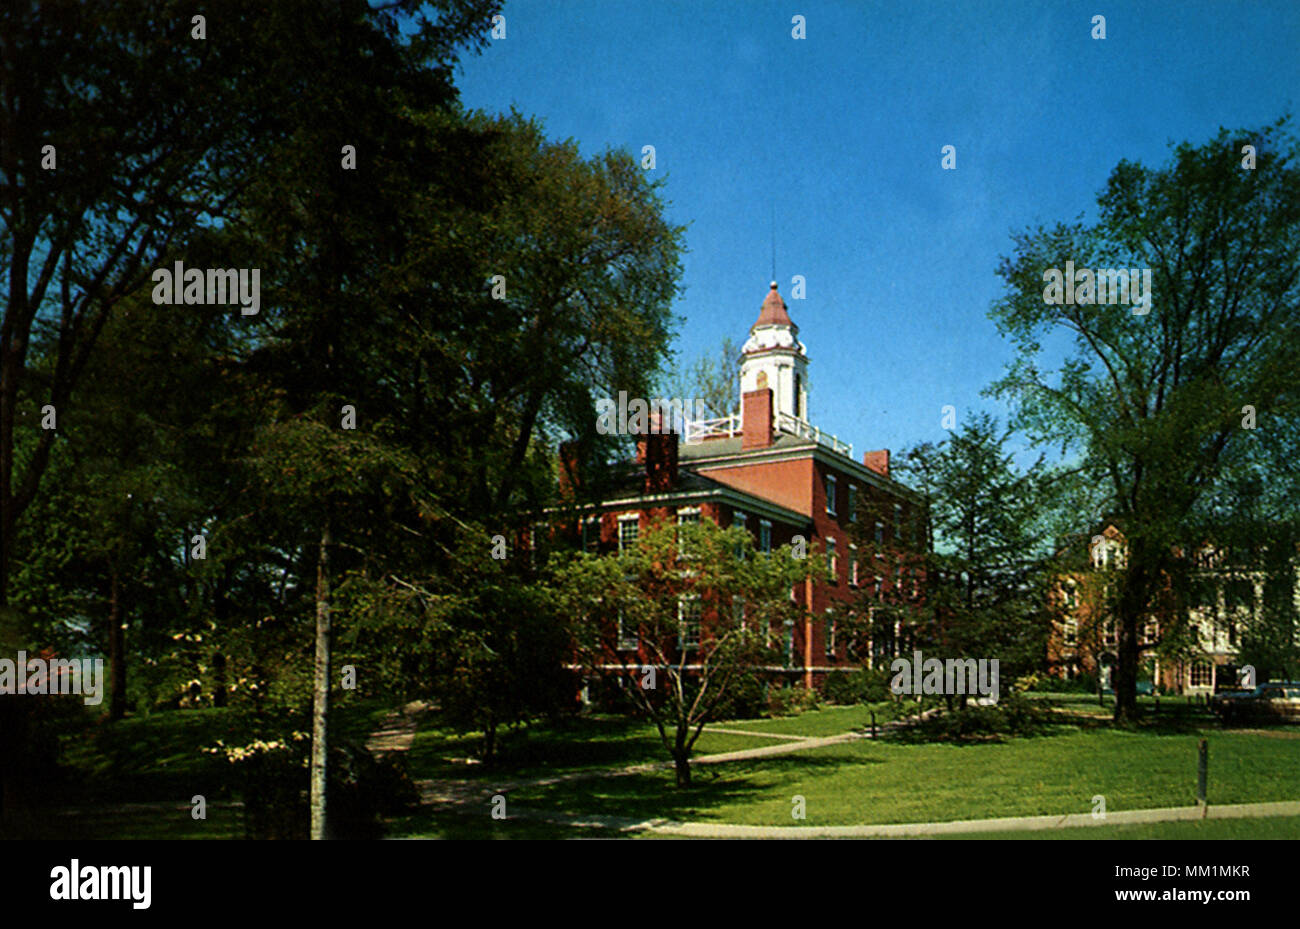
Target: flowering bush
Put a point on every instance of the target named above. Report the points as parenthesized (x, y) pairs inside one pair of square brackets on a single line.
[(273, 778)]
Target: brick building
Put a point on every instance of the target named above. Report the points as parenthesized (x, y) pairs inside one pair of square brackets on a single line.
[(1224, 600), (769, 470)]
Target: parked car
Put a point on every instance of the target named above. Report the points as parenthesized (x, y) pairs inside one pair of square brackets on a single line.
[(1277, 701)]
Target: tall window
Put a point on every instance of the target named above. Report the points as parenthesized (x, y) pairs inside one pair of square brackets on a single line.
[(738, 611), (832, 560), (830, 494), (765, 535), (740, 520), (686, 517), (688, 621), (789, 643), (830, 633), (853, 503), (627, 531), (591, 536), (880, 537), (853, 565), (898, 520), (627, 637)]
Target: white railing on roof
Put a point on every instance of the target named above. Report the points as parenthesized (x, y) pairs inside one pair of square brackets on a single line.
[(805, 430), (699, 429)]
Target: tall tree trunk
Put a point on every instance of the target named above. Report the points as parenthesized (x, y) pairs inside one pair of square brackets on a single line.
[(116, 645), (682, 762), (490, 739), (682, 759), (321, 689), (1133, 598)]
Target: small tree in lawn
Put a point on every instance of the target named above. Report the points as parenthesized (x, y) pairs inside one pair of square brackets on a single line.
[(678, 618)]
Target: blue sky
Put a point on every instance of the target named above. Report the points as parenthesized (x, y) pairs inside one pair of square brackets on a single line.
[(841, 134)]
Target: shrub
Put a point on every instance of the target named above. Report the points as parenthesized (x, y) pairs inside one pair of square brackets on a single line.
[(1084, 683), (789, 700), (860, 686), (273, 778), (743, 699), (1012, 715)]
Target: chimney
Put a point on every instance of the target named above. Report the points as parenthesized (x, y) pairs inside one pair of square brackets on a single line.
[(570, 468), (877, 461), (657, 450), (756, 421)]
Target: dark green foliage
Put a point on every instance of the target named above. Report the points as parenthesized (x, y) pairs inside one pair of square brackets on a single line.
[(865, 685), (362, 790), (1013, 715)]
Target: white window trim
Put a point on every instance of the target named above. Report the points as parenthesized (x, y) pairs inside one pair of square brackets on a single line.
[(681, 621), (635, 519), (626, 642), (832, 490)]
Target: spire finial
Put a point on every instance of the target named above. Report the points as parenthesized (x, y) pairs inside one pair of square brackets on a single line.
[(773, 242)]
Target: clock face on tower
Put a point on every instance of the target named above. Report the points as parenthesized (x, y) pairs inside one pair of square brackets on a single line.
[(762, 379)]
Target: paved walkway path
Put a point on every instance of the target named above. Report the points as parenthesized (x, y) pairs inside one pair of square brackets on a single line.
[(762, 735), (901, 830), (397, 731)]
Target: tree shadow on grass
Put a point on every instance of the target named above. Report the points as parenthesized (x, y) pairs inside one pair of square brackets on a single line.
[(654, 795), (536, 751)]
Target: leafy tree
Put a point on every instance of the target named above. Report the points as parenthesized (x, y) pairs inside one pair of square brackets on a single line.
[(964, 573), (674, 595), (1156, 403), (713, 378), (120, 135)]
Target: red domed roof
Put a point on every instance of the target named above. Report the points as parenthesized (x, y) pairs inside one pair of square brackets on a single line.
[(774, 311)]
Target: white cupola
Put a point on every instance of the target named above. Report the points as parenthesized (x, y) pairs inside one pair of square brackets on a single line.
[(774, 357)]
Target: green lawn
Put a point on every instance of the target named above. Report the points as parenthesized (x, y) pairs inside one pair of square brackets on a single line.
[(593, 743), (831, 720), (867, 782)]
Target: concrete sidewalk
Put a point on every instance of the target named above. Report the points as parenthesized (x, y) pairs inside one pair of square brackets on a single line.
[(906, 830), (1005, 824)]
